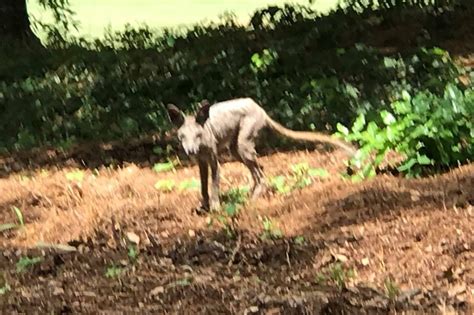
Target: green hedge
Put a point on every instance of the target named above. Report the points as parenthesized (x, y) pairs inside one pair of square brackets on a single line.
[(293, 66)]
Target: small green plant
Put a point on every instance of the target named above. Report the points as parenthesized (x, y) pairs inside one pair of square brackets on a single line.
[(164, 167), (270, 231), (4, 286), (321, 278), (114, 271), (237, 196), (26, 262), (391, 288), (190, 184), (279, 184), (19, 215), (303, 174), (7, 226), (299, 240), (10, 226), (4, 289), (339, 275), (132, 253), (163, 151), (77, 176), (232, 201), (166, 185)]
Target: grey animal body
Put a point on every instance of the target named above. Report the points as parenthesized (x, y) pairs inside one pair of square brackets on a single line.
[(233, 124)]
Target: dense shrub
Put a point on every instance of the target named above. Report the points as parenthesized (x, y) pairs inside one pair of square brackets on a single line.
[(296, 64), (428, 130)]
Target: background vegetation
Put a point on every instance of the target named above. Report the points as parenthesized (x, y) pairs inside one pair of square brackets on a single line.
[(309, 71)]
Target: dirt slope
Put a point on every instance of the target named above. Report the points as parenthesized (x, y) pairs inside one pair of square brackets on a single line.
[(417, 233)]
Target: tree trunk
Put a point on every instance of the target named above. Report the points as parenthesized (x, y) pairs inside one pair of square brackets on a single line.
[(15, 23)]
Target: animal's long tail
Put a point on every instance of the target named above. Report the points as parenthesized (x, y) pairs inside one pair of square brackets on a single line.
[(309, 136)]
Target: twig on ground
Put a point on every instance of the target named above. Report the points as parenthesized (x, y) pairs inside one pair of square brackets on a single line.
[(236, 249)]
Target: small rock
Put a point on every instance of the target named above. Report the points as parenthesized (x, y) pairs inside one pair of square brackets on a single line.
[(134, 238), (415, 195), (253, 309), (272, 311), (456, 290), (89, 294), (58, 291), (340, 258), (157, 291), (191, 233), (365, 261)]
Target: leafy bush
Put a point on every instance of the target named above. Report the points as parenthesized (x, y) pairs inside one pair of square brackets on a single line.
[(428, 130), (288, 59)]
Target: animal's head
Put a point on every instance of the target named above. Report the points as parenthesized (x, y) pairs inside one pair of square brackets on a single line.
[(190, 127)]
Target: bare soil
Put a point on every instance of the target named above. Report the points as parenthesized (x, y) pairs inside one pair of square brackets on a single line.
[(414, 236)]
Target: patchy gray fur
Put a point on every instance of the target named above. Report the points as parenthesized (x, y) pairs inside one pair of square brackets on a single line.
[(233, 124)]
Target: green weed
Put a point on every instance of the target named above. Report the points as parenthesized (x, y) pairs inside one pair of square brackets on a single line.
[(336, 274), (190, 184), (26, 262), (77, 176), (165, 185), (19, 216), (132, 253), (270, 230), (114, 271), (340, 275), (164, 167), (391, 288)]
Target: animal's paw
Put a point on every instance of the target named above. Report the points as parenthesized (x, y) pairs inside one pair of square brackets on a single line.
[(201, 210), (215, 206), (260, 191)]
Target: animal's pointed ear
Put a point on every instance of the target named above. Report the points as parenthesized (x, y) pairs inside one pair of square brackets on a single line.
[(175, 115), (203, 112)]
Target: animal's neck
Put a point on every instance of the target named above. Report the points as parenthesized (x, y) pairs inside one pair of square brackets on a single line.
[(208, 136)]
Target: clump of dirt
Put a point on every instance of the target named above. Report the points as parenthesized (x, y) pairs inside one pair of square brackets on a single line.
[(382, 246)]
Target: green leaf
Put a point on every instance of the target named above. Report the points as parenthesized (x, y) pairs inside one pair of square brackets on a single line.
[(342, 129), (299, 240), (407, 165), (231, 209), (359, 123), (401, 107), (406, 96), (19, 215), (389, 62), (318, 172), (387, 117), (438, 51), (7, 226), (163, 167), (77, 176), (165, 184), (423, 160), (190, 184)]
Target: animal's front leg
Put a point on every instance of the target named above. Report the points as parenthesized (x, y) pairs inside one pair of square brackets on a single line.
[(204, 174), (215, 176)]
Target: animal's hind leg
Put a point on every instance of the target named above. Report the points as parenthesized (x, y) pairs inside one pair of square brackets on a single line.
[(246, 151)]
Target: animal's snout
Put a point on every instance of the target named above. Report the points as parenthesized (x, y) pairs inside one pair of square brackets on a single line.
[(190, 149)]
